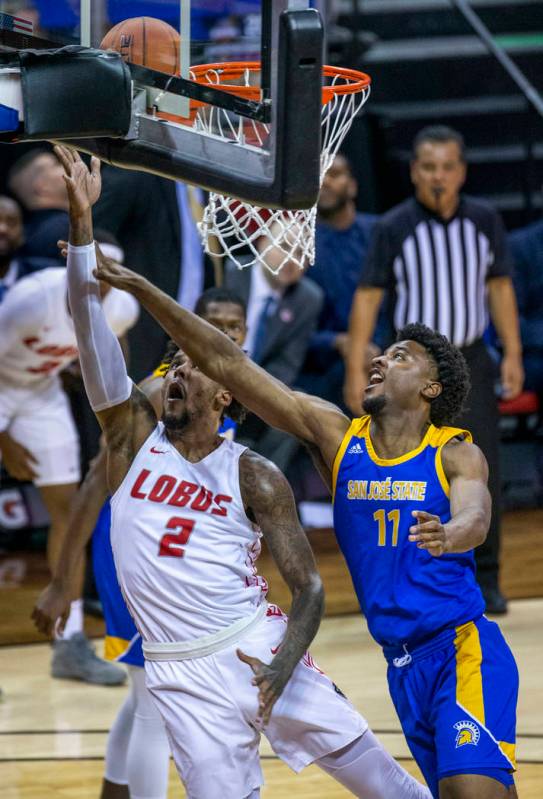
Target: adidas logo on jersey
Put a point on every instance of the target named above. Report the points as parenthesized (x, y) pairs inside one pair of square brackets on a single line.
[(356, 449)]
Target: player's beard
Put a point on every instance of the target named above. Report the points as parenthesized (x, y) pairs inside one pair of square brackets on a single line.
[(175, 423), (374, 405)]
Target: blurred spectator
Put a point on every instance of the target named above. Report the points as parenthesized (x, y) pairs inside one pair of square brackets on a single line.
[(36, 180), (154, 220), (282, 313), (14, 265), (38, 439), (341, 243), (527, 249), (441, 252)]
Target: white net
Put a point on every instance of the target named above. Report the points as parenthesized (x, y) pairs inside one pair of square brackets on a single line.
[(246, 233)]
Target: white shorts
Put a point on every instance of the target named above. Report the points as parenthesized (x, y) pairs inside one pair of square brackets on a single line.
[(41, 420), (209, 707)]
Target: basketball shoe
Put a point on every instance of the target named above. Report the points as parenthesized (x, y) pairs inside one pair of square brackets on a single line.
[(74, 658)]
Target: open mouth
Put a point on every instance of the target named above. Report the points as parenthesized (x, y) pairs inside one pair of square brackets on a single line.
[(375, 377), (176, 391)]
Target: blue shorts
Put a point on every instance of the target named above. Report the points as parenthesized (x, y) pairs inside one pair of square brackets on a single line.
[(456, 699), (123, 642)]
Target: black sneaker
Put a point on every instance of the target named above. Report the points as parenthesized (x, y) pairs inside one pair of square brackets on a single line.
[(75, 659)]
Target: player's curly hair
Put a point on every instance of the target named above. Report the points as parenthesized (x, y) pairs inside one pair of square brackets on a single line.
[(452, 370)]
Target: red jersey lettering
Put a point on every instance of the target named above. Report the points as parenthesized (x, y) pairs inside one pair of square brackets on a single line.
[(140, 480), (203, 500), (162, 488), (170, 544), (182, 494), (218, 510)]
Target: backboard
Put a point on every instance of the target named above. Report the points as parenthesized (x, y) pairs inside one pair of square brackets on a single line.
[(277, 168)]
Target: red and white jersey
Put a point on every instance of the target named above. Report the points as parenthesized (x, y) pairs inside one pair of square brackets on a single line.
[(184, 548), (37, 338)]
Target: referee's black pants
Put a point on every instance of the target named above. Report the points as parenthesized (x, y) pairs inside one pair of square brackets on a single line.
[(481, 419)]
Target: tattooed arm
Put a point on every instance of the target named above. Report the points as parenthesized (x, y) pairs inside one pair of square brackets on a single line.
[(269, 503)]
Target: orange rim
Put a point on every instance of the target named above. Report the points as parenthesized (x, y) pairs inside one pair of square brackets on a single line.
[(355, 81)]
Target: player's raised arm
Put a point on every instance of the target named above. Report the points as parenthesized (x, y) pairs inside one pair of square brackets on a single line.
[(269, 502), (122, 411), (305, 417), (467, 472)]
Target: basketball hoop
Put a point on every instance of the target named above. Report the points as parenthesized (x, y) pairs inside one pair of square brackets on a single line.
[(233, 228)]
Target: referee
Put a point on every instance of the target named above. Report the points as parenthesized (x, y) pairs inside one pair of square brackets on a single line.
[(443, 257)]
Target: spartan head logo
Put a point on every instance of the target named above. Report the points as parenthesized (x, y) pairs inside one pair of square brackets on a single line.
[(466, 733)]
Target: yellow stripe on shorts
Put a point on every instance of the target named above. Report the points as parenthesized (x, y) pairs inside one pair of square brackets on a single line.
[(114, 648), (509, 751), (469, 678)]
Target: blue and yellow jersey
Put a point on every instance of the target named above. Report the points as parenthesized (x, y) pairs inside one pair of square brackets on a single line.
[(406, 594)]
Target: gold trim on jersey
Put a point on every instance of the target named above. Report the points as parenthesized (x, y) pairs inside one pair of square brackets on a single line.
[(401, 458), (440, 471), (449, 433), (435, 437), (341, 452)]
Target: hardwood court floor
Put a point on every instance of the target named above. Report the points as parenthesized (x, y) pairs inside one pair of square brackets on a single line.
[(52, 732)]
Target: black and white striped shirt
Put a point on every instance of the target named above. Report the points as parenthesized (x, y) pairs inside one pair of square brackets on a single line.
[(436, 269)]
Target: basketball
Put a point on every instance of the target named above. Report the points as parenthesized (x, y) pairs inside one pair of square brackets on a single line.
[(146, 41)]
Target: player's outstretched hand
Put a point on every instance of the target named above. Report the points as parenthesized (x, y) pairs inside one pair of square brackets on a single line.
[(113, 273), (83, 184), (429, 533), (270, 681), (52, 604)]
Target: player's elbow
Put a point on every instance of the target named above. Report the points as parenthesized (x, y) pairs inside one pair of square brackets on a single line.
[(312, 592), (480, 527)]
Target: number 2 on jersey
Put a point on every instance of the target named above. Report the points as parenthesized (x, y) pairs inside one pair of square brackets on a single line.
[(392, 516), (171, 543)]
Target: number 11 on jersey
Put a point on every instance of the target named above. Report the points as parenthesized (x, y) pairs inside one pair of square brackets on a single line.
[(381, 518)]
